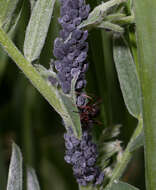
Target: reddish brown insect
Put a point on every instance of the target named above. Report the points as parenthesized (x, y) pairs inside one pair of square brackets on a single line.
[(88, 113)]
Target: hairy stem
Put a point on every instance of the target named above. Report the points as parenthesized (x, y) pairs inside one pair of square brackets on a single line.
[(121, 166)]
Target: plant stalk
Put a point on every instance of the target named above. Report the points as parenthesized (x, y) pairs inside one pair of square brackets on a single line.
[(145, 17)]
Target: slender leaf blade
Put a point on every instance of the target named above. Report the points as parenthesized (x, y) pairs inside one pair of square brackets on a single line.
[(15, 169), (99, 12), (121, 186), (32, 181), (7, 9), (37, 29), (128, 77), (10, 13)]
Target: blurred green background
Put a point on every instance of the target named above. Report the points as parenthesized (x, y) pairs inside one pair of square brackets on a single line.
[(31, 122)]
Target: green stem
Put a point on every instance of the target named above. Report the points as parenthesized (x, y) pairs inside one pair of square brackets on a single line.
[(39, 83), (120, 167), (146, 42)]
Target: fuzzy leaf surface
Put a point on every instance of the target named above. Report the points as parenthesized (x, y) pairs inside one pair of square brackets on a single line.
[(37, 28), (139, 142), (121, 186), (9, 13), (32, 181), (15, 169), (32, 4), (99, 13), (128, 78)]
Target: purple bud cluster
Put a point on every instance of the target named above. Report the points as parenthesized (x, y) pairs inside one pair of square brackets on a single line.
[(70, 50), (82, 155), (71, 47)]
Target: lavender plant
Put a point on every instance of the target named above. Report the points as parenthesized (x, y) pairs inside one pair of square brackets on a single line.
[(97, 156)]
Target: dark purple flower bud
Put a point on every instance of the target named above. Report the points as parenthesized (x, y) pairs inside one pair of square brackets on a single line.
[(87, 153), (65, 87), (83, 163), (99, 179), (80, 84), (75, 4), (64, 34), (58, 65), (84, 11), (67, 159), (81, 3), (89, 178), (83, 145), (81, 101), (70, 152), (73, 13), (91, 161), (75, 63), (77, 21), (75, 141), (76, 156), (64, 19), (77, 34), (78, 171), (52, 80), (68, 145), (58, 53), (85, 67), (81, 57), (85, 36), (61, 76), (82, 182), (86, 137), (58, 42), (75, 71)]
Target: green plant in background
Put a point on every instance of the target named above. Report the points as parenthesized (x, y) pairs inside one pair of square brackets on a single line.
[(121, 53)]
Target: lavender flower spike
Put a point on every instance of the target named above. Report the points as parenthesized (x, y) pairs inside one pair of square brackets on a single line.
[(71, 47), (70, 50), (82, 154)]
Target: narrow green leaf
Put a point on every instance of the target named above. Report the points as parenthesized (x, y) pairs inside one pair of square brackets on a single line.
[(32, 181), (99, 13), (128, 77), (118, 185), (71, 110), (15, 170), (10, 26), (110, 26), (8, 11), (37, 29)]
